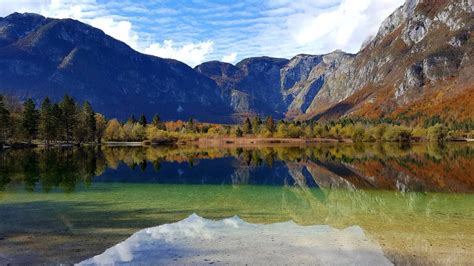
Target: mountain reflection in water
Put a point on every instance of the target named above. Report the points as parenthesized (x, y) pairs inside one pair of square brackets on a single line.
[(422, 168)]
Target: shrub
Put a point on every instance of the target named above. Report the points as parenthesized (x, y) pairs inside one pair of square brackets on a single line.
[(238, 132), (265, 133), (113, 131), (437, 133), (282, 130), (335, 131), (419, 133), (358, 134), (397, 133), (295, 131), (155, 135), (318, 131)]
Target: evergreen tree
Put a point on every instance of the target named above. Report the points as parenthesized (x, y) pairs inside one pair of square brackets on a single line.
[(5, 121), (190, 125), (30, 120), (270, 124), (156, 120), (142, 121), (247, 126), (57, 116), (158, 123), (69, 116), (46, 121), (89, 121)]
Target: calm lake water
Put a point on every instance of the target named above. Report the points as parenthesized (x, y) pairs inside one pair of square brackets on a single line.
[(68, 205)]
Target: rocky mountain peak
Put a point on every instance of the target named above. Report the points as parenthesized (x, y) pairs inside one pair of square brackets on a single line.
[(393, 21), (18, 25), (297, 69), (216, 69)]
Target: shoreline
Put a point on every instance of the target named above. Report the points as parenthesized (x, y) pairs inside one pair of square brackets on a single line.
[(222, 142)]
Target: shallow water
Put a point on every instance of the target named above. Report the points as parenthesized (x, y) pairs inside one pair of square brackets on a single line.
[(68, 205)]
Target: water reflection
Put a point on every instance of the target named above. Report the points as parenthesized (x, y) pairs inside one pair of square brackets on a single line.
[(382, 166), (418, 168)]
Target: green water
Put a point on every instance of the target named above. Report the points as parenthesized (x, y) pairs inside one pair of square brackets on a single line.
[(416, 202)]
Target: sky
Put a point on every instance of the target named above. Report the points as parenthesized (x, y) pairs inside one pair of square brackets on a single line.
[(195, 31)]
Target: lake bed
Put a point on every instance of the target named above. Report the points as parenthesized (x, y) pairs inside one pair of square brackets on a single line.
[(69, 205)]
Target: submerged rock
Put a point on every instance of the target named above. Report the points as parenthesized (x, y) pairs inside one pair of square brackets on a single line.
[(196, 240)]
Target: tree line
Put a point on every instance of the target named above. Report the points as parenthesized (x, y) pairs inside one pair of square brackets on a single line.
[(65, 122), (70, 122), (358, 129)]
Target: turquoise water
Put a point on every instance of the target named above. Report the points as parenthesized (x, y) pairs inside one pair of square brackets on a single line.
[(67, 205)]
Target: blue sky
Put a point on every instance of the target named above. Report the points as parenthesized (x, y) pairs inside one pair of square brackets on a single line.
[(195, 31)]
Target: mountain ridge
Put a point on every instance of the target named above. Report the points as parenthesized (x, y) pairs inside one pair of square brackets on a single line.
[(419, 61), (59, 56)]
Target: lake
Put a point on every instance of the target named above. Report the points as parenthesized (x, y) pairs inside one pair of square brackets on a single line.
[(67, 205)]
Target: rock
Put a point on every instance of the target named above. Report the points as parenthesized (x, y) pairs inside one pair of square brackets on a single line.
[(414, 78)]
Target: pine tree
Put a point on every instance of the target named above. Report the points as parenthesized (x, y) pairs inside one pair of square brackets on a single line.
[(190, 126), (57, 116), (30, 120), (247, 126), (5, 121), (69, 116), (142, 121), (46, 125), (89, 121), (156, 120)]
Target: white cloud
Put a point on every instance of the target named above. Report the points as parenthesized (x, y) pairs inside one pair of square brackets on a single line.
[(230, 58), (344, 27), (190, 53), (120, 30), (9, 6)]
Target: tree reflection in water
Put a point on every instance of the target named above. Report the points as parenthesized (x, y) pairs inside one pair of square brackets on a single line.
[(428, 167)]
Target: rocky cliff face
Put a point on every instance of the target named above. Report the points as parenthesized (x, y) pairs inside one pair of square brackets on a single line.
[(322, 82), (250, 87), (420, 61), (50, 57), (274, 86)]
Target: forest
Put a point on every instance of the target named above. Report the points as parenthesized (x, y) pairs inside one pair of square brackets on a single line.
[(68, 122)]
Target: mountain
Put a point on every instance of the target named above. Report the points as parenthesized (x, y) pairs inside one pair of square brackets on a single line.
[(252, 86), (419, 64), (51, 57)]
